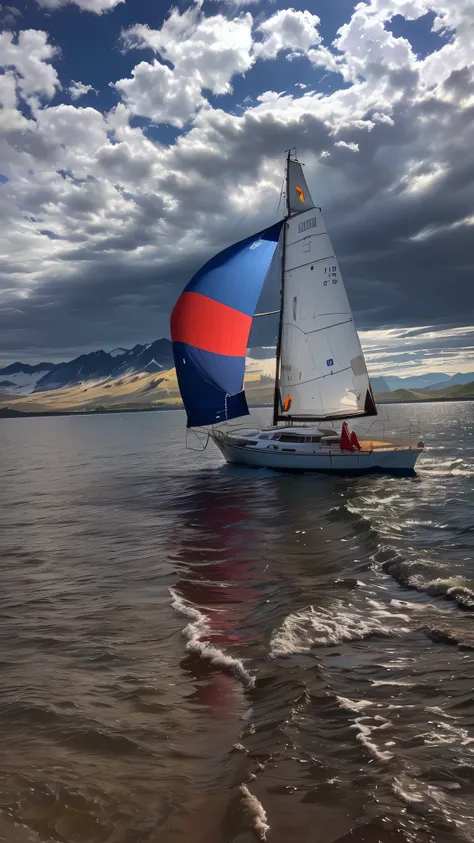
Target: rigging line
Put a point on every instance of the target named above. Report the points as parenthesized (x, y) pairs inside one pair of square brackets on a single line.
[(318, 260), (305, 210), (203, 447), (316, 330), (320, 377), (308, 237), (281, 196)]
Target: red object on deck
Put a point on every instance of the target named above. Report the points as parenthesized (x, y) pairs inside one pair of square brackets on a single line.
[(346, 443), (354, 441)]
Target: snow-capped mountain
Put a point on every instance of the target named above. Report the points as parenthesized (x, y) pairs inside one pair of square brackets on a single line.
[(20, 378), (155, 357)]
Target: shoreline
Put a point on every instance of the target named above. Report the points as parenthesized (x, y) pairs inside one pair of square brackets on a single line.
[(9, 413)]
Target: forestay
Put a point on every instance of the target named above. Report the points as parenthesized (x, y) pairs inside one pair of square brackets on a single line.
[(210, 326), (323, 374)]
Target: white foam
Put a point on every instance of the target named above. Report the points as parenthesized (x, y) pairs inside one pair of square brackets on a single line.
[(380, 611), (353, 705), (421, 576), (239, 747), (406, 792), (448, 734), (365, 732), (435, 709), (196, 629), (301, 631), (255, 811), (447, 468), (413, 607)]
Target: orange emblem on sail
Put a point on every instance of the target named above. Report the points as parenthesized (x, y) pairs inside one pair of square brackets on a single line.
[(287, 404), (300, 193)]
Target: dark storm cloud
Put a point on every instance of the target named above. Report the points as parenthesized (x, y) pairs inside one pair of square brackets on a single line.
[(398, 207)]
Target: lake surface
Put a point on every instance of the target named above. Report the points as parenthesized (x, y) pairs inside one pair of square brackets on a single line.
[(197, 653)]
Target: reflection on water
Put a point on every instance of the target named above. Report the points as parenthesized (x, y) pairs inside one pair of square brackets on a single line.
[(192, 652)]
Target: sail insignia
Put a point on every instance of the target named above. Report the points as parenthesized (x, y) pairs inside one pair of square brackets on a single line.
[(210, 326), (299, 197)]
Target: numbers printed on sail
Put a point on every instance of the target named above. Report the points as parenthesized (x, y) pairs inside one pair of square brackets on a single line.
[(307, 224), (330, 273)]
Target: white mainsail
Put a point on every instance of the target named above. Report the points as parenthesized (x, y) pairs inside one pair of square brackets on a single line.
[(322, 374)]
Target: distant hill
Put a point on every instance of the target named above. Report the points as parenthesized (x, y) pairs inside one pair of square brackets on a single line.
[(379, 385), (459, 379), (449, 393), (143, 377), (417, 381), (136, 390)]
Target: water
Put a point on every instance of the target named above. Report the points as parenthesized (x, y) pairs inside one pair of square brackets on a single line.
[(197, 653)]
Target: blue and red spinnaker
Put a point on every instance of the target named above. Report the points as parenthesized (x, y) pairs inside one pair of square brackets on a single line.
[(210, 327)]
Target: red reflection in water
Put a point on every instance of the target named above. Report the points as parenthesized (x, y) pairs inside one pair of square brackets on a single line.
[(218, 578)]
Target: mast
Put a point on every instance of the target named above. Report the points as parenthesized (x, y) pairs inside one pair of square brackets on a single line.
[(320, 362), (276, 399)]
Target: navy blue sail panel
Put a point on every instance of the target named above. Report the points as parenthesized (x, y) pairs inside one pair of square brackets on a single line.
[(210, 326)]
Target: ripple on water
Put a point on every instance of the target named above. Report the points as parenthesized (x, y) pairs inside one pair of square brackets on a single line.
[(192, 653)]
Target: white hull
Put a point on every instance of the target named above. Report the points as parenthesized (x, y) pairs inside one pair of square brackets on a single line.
[(332, 459)]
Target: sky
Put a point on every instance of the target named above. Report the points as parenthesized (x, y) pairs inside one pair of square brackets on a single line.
[(137, 139)]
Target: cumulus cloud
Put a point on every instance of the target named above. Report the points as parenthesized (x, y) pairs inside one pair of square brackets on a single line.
[(213, 49), (157, 92), (30, 58), (288, 29), (79, 89), (206, 52), (97, 6), (103, 226)]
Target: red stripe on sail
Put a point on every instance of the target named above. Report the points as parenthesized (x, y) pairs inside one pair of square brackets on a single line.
[(209, 325)]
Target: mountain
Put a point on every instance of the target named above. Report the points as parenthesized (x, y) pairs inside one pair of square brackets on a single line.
[(20, 378), (418, 381), (446, 393), (462, 378), (131, 391), (143, 377), (379, 385)]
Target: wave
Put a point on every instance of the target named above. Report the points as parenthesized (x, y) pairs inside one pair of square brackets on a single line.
[(367, 727), (428, 799), (446, 468), (301, 631), (448, 734), (196, 630), (421, 576), (255, 812), (366, 730), (450, 635)]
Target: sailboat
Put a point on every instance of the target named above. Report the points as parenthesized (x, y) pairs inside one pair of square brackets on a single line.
[(321, 374)]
